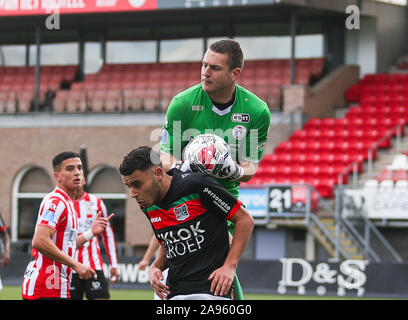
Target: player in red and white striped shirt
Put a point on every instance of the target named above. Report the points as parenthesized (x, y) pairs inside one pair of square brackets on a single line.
[(87, 206), (4, 246), (55, 240)]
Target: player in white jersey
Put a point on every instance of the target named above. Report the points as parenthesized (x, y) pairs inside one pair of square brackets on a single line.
[(4, 246), (87, 207), (55, 239)]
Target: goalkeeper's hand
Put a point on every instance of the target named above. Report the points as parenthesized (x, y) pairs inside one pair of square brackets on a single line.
[(213, 161), (187, 166), (228, 170)]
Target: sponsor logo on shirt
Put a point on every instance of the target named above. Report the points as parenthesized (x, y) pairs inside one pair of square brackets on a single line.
[(155, 219), (183, 241), (48, 216), (181, 212), (165, 136), (96, 285), (217, 200), (241, 117), (197, 108), (239, 132)]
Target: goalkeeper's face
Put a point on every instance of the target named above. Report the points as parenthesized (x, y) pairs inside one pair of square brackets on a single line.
[(145, 186), (216, 76)]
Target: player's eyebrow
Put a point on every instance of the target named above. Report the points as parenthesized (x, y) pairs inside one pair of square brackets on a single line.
[(212, 66), (132, 183), (135, 183), (71, 167)]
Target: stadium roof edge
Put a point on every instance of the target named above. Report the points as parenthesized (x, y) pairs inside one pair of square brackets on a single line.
[(47, 120), (161, 25)]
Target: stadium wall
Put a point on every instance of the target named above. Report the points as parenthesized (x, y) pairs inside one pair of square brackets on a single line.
[(380, 39), (31, 146), (321, 100), (106, 146), (391, 30), (284, 276)]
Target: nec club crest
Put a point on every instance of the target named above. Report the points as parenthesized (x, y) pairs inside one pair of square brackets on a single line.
[(181, 212)]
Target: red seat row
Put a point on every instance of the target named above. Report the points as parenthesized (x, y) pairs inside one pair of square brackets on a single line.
[(324, 186), (394, 175)]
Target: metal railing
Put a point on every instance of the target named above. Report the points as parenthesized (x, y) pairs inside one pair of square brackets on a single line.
[(368, 233), (398, 130), (360, 230), (353, 167)]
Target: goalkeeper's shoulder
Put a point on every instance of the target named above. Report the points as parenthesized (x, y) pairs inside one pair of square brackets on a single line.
[(181, 102), (257, 108), (256, 103)]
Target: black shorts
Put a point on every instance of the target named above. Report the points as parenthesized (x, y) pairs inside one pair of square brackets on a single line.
[(93, 289)]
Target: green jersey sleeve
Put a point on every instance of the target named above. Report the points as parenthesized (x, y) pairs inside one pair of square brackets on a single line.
[(256, 138), (177, 129), (171, 141)]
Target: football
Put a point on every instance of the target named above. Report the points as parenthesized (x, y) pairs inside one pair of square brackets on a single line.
[(208, 151)]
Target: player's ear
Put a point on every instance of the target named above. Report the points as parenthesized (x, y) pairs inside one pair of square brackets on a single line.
[(158, 172), (236, 73), (56, 175)]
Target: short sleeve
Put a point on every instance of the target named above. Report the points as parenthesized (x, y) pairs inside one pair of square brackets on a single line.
[(217, 199), (172, 130), (54, 210), (2, 224), (257, 137)]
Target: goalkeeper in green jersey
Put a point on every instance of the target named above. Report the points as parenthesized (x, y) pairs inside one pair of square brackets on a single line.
[(218, 105)]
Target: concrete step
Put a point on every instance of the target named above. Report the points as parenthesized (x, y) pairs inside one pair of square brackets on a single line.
[(324, 242), (357, 257), (347, 245), (351, 250)]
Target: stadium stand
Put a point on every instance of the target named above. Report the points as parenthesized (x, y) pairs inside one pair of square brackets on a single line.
[(326, 147), (139, 87), (17, 85), (395, 172), (151, 86)]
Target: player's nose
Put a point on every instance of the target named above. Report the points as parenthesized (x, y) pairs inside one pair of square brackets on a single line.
[(133, 193), (205, 71)]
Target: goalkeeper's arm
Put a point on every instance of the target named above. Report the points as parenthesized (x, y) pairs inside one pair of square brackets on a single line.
[(230, 170), (249, 169), (242, 172), (167, 160)]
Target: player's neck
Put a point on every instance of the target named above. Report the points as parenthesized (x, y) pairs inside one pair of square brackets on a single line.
[(71, 193), (78, 195), (224, 96), (165, 186)]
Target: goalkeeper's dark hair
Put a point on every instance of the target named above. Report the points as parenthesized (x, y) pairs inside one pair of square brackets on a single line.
[(141, 158), (232, 49), (59, 158)]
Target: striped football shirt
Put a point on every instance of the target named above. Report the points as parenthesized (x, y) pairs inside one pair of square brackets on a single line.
[(44, 277), (87, 208)]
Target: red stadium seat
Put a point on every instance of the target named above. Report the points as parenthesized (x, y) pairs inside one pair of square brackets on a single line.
[(385, 174), (342, 123), (353, 93), (400, 175), (313, 157), (269, 159), (59, 105), (299, 135), (314, 123)]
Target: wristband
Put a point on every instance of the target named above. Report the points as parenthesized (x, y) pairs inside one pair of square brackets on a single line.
[(239, 173), (88, 235), (176, 165)]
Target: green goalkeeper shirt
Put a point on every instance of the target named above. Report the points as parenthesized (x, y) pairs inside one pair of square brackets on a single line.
[(244, 125)]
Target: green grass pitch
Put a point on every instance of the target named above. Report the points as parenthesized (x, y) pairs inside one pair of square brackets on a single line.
[(14, 293)]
